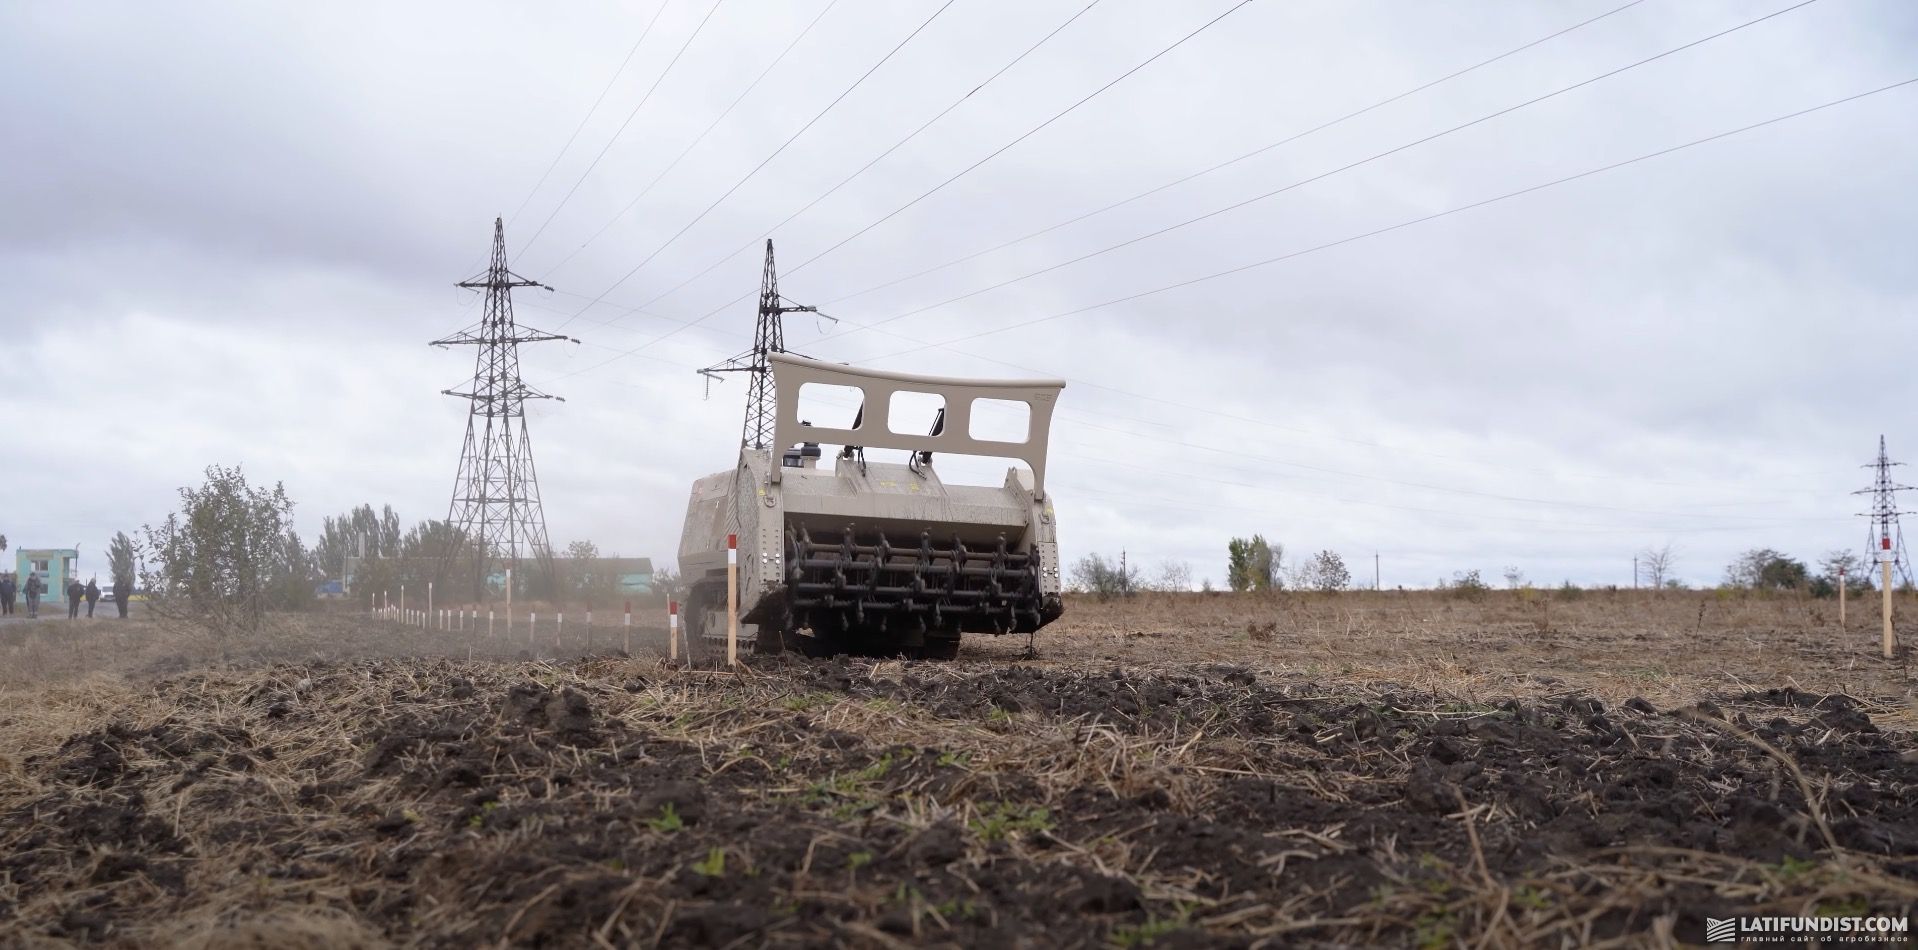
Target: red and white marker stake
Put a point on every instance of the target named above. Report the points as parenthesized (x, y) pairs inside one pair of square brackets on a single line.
[(672, 630), (629, 628)]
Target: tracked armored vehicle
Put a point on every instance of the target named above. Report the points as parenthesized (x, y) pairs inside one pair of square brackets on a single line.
[(880, 556)]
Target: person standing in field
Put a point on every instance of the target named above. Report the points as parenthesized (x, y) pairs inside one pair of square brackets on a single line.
[(74, 594), (34, 588), (6, 596), (122, 589), (93, 594)]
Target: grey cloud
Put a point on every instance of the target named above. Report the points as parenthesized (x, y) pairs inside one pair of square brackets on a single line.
[(232, 228)]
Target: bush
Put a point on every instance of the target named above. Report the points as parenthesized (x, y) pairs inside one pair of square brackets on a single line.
[(1096, 575), (1766, 569), (227, 556), (1466, 585)]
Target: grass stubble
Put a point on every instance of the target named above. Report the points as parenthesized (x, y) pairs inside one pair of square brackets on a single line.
[(1123, 790)]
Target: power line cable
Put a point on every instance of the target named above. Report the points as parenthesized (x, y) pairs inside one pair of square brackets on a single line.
[(610, 81), (754, 242), (1029, 133), (1205, 410), (1335, 171), (1404, 224), (1411, 221), (768, 159), (695, 142), (622, 126), (1261, 150)]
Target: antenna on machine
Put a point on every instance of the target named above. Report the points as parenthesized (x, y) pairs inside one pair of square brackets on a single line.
[(769, 336), (495, 512)]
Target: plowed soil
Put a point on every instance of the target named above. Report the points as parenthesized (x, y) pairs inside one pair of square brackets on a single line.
[(622, 802)]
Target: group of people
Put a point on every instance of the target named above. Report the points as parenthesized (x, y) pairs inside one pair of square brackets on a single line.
[(35, 588), (8, 589)]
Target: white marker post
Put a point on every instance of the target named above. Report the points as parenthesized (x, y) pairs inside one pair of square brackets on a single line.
[(732, 600), (489, 623), (589, 629), (1884, 560), (559, 631), (429, 600), (402, 603), (629, 628), (532, 628), (1841, 598), (672, 630), (509, 603)]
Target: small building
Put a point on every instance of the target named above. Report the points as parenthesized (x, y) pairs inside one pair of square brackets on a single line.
[(54, 567), (635, 573)]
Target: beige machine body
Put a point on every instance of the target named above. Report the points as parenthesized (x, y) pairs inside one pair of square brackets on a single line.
[(844, 553)]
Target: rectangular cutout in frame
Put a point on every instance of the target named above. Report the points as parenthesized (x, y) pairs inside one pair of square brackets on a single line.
[(1000, 420)]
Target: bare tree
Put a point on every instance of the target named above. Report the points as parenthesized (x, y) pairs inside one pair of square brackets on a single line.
[(1174, 575), (1329, 572), (666, 583), (1514, 578), (1655, 565), (589, 576), (1094, 574)]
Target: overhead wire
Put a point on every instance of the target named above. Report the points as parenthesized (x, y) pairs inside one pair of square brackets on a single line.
[(969, 169), (1261, 150), (956, 103), (696, 140), (1410, 222), (767, 160), (1028, 134), (1349, 166), (597, 100), (1187, 407), (622, 126)]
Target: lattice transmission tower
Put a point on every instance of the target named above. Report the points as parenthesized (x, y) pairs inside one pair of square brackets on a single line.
[(1886, 538), (769, 336), (495, 513)]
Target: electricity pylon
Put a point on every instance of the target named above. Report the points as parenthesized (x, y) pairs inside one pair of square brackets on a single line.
[(1887, 538), (769, 336), (495, 514)]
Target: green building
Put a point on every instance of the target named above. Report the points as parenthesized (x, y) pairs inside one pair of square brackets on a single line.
[(54, 567)]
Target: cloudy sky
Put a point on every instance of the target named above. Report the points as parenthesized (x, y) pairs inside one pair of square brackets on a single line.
[(228, 232)]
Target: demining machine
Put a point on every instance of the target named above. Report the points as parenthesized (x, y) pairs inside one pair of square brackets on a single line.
[(875, 556)]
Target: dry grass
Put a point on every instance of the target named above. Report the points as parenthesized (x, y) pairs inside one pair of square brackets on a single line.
[(1671, 647), (1159, 776)]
